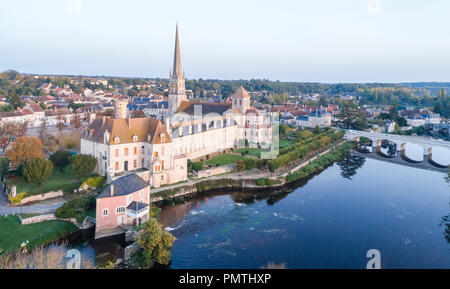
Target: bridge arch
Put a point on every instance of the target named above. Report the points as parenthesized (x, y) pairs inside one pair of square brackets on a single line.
[(378, 139)]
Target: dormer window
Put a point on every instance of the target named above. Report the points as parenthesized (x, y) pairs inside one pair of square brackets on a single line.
[(116, 140), (135, 138), (162, 138)]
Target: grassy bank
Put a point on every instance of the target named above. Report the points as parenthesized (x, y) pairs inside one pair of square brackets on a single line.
[(224, 159), (13, 233), (321, 162), (65, 180)]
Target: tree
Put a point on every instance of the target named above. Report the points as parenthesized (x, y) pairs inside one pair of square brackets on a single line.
[(37, 170), (240, 165), (9, 131), (83, 165), (59, 122), (24, 149), (60, 159), (43, 128), (323, 101), (4, 166), (76, 121), (156, 243), (249, 164), (352, 119)]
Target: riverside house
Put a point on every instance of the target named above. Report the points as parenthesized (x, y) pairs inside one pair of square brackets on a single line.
[(122, 204)]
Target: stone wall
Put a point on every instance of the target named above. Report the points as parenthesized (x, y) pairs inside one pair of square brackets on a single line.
[(43, 218), (216, 171), (42, 197)]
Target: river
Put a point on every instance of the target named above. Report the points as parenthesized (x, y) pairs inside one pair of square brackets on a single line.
[(330, 221)]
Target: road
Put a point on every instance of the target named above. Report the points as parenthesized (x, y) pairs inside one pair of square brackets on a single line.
[(45, 207)]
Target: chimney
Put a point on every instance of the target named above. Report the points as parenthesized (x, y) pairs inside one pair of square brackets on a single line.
[(111, 189)]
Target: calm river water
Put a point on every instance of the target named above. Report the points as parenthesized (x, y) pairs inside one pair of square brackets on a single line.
[(330, 221)]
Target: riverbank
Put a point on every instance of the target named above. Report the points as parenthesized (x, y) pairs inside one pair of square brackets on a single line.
[(256, 181)]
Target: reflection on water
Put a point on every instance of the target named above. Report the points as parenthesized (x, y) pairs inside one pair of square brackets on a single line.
[(350, 165), (329, 222)]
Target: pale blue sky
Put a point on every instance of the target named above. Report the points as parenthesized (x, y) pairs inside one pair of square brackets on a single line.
[(320, 40)]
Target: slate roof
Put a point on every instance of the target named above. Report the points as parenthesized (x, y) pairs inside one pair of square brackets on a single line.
[(137, 206), (188, 107), (124, 186)]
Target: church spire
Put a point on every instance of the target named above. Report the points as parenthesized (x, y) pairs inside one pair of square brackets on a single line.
[(177, 72)]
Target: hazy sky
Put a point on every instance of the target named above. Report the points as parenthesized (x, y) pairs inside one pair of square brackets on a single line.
[(320, 40)]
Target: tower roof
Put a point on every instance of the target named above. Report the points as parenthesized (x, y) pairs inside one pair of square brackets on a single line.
[(241, 93), (177, 71)]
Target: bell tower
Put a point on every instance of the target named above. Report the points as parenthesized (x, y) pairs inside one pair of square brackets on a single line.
[(120, 108), (177, 90)]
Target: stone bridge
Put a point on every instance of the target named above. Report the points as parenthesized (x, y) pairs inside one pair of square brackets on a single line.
[(401, 141)]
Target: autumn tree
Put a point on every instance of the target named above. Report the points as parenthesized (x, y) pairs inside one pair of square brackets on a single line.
[(240, 165), (156, 243), (24, 149), (37, 170)]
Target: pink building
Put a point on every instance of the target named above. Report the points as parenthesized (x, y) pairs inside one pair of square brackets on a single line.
[(125, 202)]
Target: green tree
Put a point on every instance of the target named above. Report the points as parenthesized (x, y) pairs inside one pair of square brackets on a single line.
[(37, 170), (83, 165), (156, 243), (249, 164), (4, 166), (352, 118), (60, 159)]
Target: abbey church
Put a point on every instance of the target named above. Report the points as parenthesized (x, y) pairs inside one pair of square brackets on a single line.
[(158, 148)]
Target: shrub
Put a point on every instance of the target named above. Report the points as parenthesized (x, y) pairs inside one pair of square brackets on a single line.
[(37, 170), (17, 199), (263, 182), (76, 208), (197, 166), (94, 182)]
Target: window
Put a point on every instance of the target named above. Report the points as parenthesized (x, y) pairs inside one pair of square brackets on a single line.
[(156, 154), (117, 166), (162, 164), (116, 140), (135, 163), (143, 150), (135, 150), (120, 210), (105, 213), (117, 152), (126, 151)]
